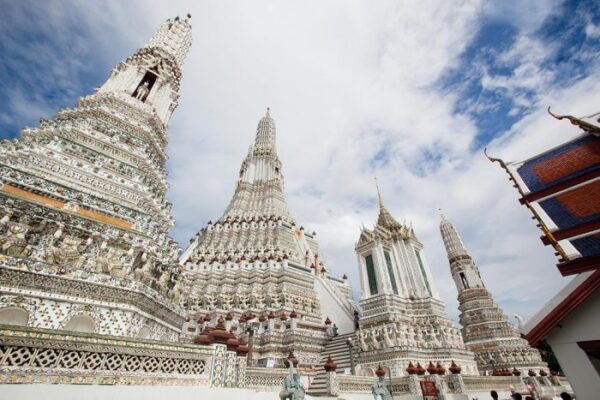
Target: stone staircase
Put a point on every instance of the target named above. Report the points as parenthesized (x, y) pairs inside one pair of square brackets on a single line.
[(337, 348)]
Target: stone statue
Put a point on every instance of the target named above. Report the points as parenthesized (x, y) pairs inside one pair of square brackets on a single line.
[(292, 386), (70, 252), (103, 264), (380, 390), (142, 91), (14, 242), (164, 278), (175, 292), (363, 343), (386, 337), (374, 340), (144, 274)]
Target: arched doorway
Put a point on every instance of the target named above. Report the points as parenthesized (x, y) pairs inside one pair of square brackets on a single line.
[(14, 316), (144, 333), (81, 323)]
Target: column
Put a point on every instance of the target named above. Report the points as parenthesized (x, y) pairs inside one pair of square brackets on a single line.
[(218, 365), (332, 383), (242, 362)]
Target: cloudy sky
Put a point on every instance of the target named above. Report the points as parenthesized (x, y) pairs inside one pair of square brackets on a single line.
[(408, 91)]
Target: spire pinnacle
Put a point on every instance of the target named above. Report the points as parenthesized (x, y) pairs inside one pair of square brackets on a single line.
[(268, 114), (378, 194), (452, 240), (173, 38)]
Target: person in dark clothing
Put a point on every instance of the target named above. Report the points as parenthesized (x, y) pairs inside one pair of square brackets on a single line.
[(517, 396), (565, 396), (494, 394)]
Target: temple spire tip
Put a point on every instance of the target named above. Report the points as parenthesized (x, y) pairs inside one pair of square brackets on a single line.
[(442, 216), (378, 194)]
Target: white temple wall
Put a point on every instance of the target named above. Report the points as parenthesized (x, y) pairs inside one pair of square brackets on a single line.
[(122, 80), (428, 275), (364, 290), (55, 312), (131, 392), (406, 262), (583, 324), (399, 270), (332, 307)]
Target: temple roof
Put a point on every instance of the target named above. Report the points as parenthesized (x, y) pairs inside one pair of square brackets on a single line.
[(589, 123)]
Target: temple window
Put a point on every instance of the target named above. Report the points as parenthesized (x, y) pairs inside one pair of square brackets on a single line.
[(143, 89), (418, 253), (14, 316), (371, 274), (81, 323), (144, 333), (388, 262), (464, 280)]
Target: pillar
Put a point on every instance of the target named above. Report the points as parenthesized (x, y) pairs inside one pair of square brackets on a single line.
[(218, 365), (456, 383), (413, 385)]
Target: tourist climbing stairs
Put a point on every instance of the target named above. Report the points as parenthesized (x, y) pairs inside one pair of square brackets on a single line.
[(338, 349)]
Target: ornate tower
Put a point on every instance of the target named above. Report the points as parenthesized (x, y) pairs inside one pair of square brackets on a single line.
[(84, 218), (254, 261), (403, 319), (486, 331)]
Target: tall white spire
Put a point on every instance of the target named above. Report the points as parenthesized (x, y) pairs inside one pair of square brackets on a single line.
[(464, 270), (152, 74), (486, 330), (265, 135), (174, 37), (452, 241), (259, 192)]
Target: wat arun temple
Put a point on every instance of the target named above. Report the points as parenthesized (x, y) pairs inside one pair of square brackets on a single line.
[(94, 291)]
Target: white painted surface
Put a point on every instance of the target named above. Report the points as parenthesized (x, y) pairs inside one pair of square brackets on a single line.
[(555, 301), (123, 392), (332, 307), (581, 325)]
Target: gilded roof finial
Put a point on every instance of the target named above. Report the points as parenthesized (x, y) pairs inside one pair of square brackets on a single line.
[(378, 194), (584, 125), (494, 159)]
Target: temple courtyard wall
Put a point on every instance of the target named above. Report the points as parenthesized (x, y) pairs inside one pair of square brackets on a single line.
[(568, 341)]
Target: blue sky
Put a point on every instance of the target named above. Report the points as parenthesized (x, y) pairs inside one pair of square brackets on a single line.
[(571, 55), (409, 92)]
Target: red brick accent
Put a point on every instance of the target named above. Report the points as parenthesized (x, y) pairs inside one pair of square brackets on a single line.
[(586, 155), (582, 201), (564, 185)]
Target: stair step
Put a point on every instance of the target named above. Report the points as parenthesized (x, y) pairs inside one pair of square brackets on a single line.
[(338, 349)]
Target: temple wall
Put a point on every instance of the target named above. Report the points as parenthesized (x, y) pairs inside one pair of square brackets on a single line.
[(332, 307), (582, 324), (101, 392)]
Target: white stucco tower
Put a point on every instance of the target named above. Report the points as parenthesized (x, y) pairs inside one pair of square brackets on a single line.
[(255, 261), (403, 319), (486, 331), (395, 266), (83, 208), (153, 73)]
